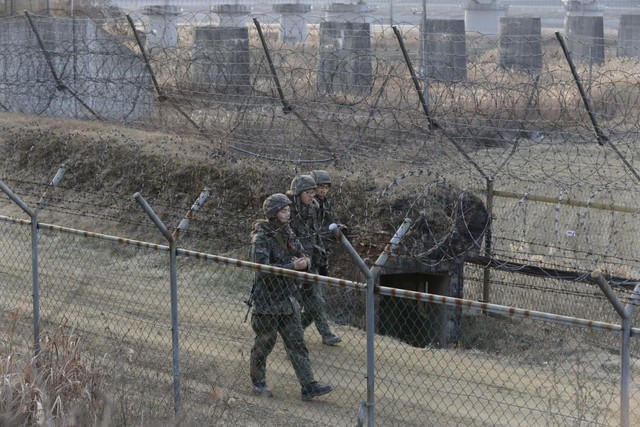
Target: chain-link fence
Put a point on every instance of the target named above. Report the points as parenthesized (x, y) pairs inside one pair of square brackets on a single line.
[(112, 297), (514, 198)]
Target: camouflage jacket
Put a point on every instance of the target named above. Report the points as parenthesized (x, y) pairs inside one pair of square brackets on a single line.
[(304, 223), (325, 217), (274, 245)]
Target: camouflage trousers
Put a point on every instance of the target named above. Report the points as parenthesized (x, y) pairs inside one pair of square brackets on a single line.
[(313, 308), (267, 327)]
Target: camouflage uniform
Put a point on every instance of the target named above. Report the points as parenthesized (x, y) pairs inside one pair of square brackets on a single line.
[(275, 303), (304, 224), (325, 217), (276, 309)]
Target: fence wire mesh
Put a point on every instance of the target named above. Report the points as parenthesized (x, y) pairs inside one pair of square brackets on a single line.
[(16, 278), (564, 202), (112, 299)]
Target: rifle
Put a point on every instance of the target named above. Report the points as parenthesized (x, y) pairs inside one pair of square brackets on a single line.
[(249, 301)]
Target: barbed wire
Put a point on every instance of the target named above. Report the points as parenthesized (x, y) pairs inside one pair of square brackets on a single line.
[(251, 108), (345, 100)]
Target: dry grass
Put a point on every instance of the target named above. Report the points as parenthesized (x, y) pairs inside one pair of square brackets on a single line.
[(63, 386)]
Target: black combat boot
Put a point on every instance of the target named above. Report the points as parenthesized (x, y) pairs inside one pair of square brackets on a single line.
[(314, 389), (331, 339), (261, 389)]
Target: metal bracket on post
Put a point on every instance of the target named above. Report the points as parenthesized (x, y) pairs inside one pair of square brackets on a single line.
[(286, 105), (625, 313), (371, 275), (390, 247), (54, 183), (172, 238), (33, 214), (189, 215), (416, 82), (6, 190), (174, 297), (602, 138), (352, 252), (156, 220), (362, 413)]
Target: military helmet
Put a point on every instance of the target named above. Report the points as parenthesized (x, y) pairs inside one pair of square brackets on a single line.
[(301, 183), (321, 177), (274, 203)]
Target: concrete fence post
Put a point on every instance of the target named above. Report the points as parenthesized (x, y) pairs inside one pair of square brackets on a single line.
[(520, 44), (629, 36)]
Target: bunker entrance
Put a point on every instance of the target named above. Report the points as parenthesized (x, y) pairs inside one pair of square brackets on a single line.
[(420, 323)]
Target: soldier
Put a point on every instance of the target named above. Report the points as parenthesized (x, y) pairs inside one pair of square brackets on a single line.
[(275, 299), (304, 225), (326, 217)]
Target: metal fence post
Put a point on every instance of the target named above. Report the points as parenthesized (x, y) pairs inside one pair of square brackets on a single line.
[(625, 313), (172, 238), (33, 214), (372, 276), (366, 408), (486, 278)]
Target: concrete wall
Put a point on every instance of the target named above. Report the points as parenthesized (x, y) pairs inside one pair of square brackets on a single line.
[(221, 60), (162, 29), (585, 38), (345, 58), (520, 44), (108, 78), (293, 26), (19, 6), (629, 36), (484, 17), (445, 56)]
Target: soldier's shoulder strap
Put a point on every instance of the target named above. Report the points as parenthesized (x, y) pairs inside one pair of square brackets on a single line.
[(281, 240)]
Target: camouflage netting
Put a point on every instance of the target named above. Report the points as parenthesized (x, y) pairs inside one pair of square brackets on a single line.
[(447, 222)]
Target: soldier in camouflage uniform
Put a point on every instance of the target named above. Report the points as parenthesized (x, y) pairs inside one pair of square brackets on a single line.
[(276, 309), (325, 216), (304, 225)]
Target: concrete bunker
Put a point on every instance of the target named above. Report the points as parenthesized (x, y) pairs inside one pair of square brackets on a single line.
[(421, 323), (448, 225)]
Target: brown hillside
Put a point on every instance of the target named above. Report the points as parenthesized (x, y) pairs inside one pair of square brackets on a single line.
[(107, 164)]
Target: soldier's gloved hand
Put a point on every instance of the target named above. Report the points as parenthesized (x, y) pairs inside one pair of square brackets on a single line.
[(300, 263)]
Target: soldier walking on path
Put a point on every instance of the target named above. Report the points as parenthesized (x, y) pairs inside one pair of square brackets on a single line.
[(304, 224), (325, 216), (276, 309)]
